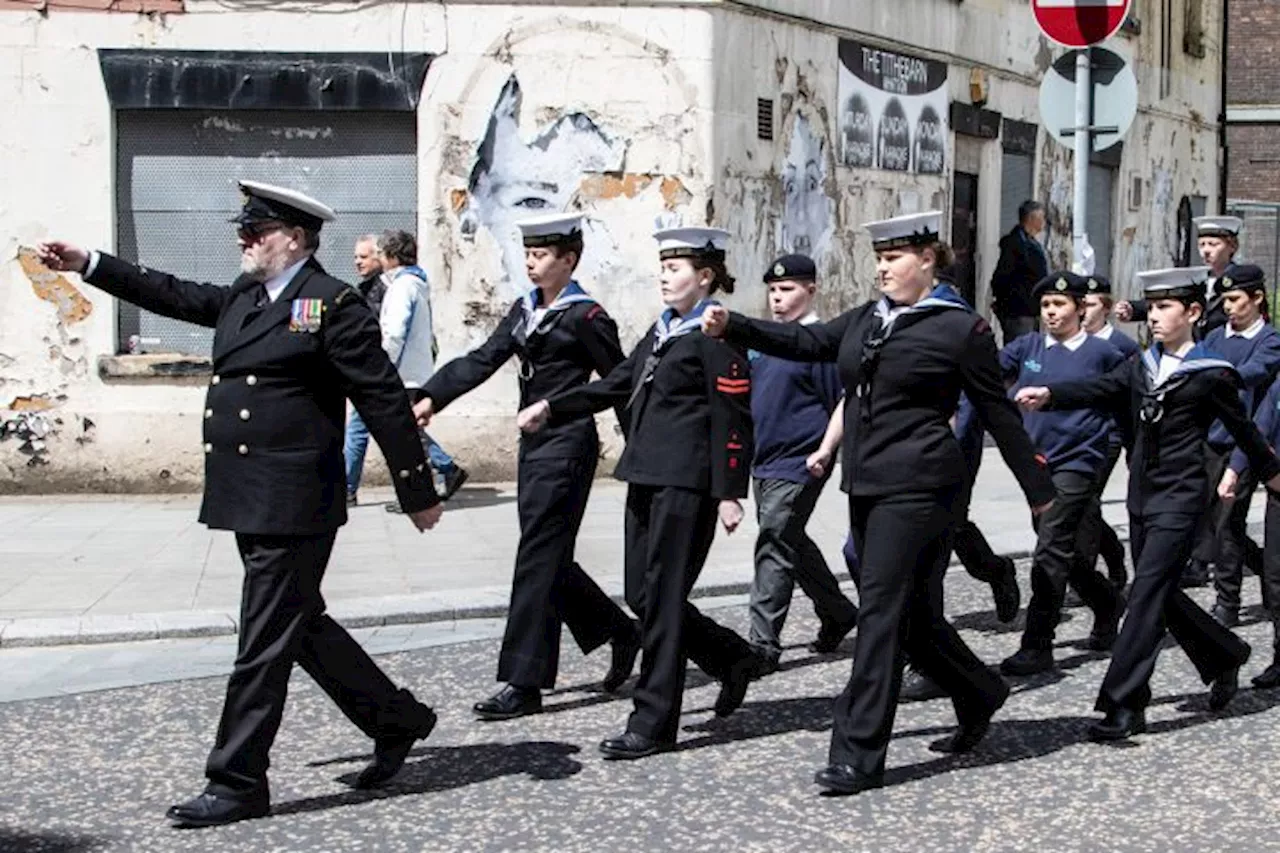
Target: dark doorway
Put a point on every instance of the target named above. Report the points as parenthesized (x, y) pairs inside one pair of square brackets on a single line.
[(964, 234)]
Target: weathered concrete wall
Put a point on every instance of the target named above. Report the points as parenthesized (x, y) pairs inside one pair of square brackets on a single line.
[(631, 113)]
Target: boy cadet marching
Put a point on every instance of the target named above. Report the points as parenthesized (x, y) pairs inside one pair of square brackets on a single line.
[(791, 407), (1075, 446), (560, 335), (689, 445), (1174, 394), (274, 475)]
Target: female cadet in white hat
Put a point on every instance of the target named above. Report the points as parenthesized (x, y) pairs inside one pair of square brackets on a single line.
[(904, 360), (688, 461)]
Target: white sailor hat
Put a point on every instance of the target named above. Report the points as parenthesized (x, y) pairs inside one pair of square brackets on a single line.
[(915, 229), (1218, 226), (691, 242), (1174, 283), (551, 229), (268, 203)]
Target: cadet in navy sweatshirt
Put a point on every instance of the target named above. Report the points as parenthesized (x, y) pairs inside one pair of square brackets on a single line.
[(1074, 444), (1097, 322), (1268, 420), (792, 404), (1250, 343)]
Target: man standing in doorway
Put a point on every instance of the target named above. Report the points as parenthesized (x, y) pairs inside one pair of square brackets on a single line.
[(1022, 264)]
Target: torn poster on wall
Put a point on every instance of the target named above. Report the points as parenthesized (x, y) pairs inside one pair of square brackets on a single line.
[(513, 179), (892, 111)]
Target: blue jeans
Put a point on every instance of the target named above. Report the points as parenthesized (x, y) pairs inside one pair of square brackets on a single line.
[(356, 444)]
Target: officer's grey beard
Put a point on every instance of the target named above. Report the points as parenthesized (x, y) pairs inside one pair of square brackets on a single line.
[(264, 266)]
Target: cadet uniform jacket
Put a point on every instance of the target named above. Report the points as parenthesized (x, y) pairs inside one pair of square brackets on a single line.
[(560, 354), (897, 434), (1166, 467), (275, 410), (688, 418)]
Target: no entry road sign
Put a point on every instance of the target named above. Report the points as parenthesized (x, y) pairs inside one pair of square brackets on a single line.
[(1080, 23)]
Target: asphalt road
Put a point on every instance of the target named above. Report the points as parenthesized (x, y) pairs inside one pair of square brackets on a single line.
[(96, 770)]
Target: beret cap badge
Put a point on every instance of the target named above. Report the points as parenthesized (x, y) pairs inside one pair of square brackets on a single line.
[(1061, 284), (779, 269)]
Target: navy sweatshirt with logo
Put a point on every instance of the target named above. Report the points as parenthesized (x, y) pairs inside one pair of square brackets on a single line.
[(1074, 440), (791, 405)]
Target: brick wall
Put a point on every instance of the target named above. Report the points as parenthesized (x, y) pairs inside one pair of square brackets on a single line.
[(1253, 60), (1255, 162)]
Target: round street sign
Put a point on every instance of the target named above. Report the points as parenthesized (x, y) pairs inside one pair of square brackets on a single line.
[(1115, 97), (1080, 23)]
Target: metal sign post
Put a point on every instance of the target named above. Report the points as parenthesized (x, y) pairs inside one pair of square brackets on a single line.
[(1084, 147)]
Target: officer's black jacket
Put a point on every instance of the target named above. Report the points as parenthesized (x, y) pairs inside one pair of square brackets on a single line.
[(898, 435), (1166, 466), (689, 420), (276, 405), (567, 347)]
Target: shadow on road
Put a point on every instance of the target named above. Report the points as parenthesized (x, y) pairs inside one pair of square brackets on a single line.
[(19, 841), (444, 768)]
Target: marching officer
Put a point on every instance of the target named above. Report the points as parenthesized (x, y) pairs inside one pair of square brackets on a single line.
[(291, 345)]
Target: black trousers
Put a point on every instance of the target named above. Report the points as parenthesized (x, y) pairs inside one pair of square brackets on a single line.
[(1161, 545), (282, 622), (1271, 567), (548, 587), (668, 535), (903, 542), (1234, 542), (1110, 548), (1066, 549)]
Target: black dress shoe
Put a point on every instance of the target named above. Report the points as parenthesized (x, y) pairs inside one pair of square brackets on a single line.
[(918, 687), (1027, 662), (389, 754), (1118, 724), (212, 810), (453, 481), (510, 702), (1072, 599), (1005, 592), (844, 779), (625, 651), (733, 689), (1224, 688), (832, 634), (971, 732), (1268, 678), (1227, 617), (629, 746)]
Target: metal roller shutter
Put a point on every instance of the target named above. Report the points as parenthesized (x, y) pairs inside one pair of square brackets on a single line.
[(175, 190), (1017, 184)]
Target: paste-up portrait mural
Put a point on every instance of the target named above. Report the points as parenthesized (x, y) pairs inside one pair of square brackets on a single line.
[(513, 179), (807, 211)]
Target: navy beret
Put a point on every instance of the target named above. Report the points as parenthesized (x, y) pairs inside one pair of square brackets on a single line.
[(791, 267), (1241, 277), (1098, 284), (1063, 282)]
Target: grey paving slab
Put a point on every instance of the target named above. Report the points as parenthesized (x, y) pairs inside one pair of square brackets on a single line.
[(98, 769)]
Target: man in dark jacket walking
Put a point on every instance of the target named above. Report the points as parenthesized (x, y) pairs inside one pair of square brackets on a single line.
[(1022, 263)]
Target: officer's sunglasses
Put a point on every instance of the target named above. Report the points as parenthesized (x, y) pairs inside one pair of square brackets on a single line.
[(252, 232)]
